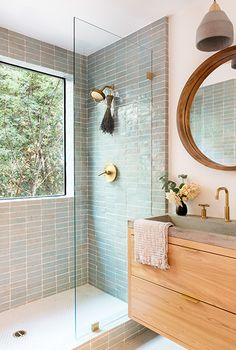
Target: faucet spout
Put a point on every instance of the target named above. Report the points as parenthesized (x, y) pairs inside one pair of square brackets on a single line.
[(227, 210)]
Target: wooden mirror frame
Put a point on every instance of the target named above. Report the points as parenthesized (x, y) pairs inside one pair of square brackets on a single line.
[(185, 102)]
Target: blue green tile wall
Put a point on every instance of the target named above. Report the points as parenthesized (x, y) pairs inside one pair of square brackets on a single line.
[(138, 148), (37, 236)]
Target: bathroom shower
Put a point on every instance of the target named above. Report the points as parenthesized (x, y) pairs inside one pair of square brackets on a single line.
[(107, 124), (64, 255)]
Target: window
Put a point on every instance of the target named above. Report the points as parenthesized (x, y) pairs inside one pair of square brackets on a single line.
[(32, 133)]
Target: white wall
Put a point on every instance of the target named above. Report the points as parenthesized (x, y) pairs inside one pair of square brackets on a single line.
[(184, 58), (221, 74)]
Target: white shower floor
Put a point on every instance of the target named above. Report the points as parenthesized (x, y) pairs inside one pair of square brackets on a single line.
[(49, 322)]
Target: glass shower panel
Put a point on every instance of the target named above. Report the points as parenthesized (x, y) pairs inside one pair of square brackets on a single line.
[(102, 208)]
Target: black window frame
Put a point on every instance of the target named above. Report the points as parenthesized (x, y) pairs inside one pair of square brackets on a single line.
[(64, 133)]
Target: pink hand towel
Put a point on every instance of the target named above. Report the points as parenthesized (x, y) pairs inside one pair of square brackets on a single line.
[(151, 243)]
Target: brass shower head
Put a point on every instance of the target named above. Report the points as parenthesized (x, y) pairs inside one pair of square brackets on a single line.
[(98, 95)]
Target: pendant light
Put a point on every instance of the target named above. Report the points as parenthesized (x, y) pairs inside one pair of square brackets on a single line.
[(233, 63), (216, 31)]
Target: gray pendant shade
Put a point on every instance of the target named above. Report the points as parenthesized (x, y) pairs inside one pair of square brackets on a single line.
[(216, 31), (233, 63)]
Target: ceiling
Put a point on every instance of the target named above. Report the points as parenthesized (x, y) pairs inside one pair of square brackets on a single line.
[(52, 20)]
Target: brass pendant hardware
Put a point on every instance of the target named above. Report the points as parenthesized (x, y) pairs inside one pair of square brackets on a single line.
[(110, 172), (150, 75), (188, 298), (215, 7), (95, 327), (204, 212)]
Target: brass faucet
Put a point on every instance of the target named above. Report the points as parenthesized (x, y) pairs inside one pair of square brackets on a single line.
[(227, 212)]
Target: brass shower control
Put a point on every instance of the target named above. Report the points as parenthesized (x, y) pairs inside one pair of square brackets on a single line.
[(110, 172), (204, 212)]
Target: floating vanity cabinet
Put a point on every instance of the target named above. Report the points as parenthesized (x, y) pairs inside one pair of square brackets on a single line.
[(194, 302)]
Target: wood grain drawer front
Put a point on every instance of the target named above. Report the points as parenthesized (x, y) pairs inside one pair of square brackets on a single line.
[(205, 276), (198, 325)]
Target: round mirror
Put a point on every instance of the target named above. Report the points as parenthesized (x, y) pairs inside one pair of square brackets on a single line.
[(206, 116)]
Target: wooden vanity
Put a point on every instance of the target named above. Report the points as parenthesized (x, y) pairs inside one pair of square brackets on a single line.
[(193, 303)]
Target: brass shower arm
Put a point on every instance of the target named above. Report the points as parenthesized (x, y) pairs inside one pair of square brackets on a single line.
[(111, 87)]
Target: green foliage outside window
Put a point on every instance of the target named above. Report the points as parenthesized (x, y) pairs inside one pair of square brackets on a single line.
[(31, 133)]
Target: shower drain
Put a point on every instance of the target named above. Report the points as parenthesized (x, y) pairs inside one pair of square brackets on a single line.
[(19, 334)]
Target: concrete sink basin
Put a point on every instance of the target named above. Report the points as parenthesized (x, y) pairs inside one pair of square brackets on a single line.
[(212, 231), (196, 223)]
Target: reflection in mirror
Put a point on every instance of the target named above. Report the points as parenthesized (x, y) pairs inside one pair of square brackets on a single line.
[(213, 116)]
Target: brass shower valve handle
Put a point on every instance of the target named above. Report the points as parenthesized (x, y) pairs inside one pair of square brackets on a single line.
[(109, 172), (204, 212), (105, 172)]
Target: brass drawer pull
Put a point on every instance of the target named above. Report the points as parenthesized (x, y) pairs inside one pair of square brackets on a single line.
[(188, 298)]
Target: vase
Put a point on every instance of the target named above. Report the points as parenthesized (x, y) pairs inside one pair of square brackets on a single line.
[(182, 210)]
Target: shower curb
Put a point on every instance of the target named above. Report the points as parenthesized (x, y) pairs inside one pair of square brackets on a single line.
[(110, 339)]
